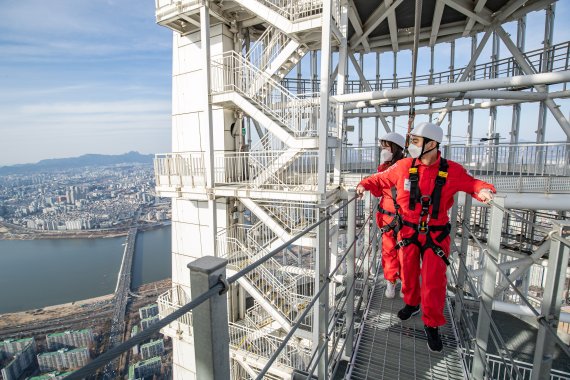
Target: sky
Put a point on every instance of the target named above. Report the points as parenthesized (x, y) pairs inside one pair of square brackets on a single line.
[(81, 77), (94, 76)]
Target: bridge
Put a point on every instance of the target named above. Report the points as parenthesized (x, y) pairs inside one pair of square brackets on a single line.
[(120, 300)]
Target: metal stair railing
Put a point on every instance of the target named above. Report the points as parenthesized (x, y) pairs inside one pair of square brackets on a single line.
[(267, 48), (292, 216), (251, 169), (231, 72), (170, 301), (241, 338), (268, 142), (180, 169), (295, 10), (282, 296)]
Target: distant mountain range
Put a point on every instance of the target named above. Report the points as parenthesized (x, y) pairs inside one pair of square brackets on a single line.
[(78, 162)]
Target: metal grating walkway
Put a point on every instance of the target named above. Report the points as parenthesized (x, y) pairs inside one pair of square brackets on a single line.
[(391, 349)]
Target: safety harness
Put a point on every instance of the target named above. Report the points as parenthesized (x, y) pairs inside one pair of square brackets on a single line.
[(426, 201), (396, 222)]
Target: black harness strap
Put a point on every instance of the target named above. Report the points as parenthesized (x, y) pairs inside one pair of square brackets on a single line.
[(426, 200), (396, 222), (414, 185), (439, 182), (429, 244)]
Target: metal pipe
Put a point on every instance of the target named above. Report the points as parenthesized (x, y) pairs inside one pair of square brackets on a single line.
[(483, 84), (531, 201), (464, 107)]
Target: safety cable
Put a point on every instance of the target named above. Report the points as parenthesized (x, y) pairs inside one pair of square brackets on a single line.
[(412, 112)]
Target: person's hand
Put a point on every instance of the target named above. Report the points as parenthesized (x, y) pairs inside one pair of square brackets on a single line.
[(486, 195), (360, 191)]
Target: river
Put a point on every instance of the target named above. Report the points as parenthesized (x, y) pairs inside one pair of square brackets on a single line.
[(38, 273)]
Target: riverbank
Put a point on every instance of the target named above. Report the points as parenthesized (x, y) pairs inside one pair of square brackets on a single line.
[(9, 232), (68, 310)]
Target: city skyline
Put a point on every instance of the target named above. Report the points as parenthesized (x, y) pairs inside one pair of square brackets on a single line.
[(96, 77)]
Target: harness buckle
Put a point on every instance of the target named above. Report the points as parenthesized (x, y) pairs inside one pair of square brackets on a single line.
[(426, 200), (423, 227)]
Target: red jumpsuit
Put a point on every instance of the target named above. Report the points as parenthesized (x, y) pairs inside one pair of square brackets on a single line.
[(390, 261), (431, 293)]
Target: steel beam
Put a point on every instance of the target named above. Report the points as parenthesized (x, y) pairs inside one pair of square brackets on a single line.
[(373, 21)]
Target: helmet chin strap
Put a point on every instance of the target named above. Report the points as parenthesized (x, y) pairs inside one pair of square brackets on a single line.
[(424, 152)]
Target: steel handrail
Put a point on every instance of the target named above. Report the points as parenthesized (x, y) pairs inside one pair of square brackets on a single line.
[(550, 233), (540, 318)]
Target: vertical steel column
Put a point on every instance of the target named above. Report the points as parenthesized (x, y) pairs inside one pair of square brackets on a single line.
[(461, 273), (515, 126), (210, 320), (207, 113), (551, 302), (376, 122), (350, 263), (545, 66), (471, 112), (314, 71), (450, 117), (488, 289), (494, 73), (322, 268), (340, 89)]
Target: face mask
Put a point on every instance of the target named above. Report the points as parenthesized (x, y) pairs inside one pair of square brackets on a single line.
[(414, 150), (385, 155)]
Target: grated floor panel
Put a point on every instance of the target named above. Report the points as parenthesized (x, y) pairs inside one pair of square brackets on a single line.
[(392, 349)]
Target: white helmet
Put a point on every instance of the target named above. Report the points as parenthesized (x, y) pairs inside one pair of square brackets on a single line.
[(396, 138), (428, 130)]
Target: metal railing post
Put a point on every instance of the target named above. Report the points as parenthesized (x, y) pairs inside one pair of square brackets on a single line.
[(210, 320), (551, 302), (350, 257), (322, 309), (375, 254), (488, 282), (461, 255)]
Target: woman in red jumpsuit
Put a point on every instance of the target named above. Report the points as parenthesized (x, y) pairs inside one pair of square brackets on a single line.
[(424, 236), (392, 145)]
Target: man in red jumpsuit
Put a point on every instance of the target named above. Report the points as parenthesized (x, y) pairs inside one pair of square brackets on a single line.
[(393, 145), (426, 184)]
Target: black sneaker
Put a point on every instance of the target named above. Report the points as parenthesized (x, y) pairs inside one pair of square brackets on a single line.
[(408, 311), (434, 341)]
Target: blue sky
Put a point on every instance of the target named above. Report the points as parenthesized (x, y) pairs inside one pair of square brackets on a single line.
[(94, 76), (82, 77)]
